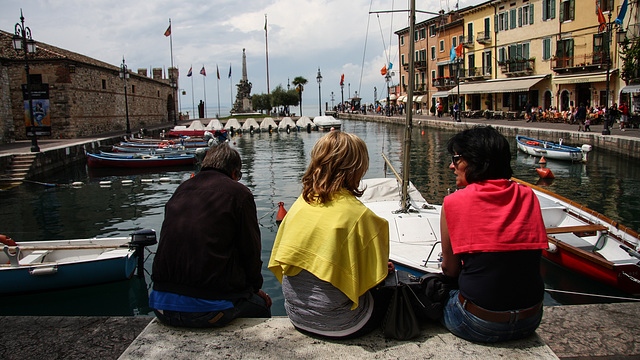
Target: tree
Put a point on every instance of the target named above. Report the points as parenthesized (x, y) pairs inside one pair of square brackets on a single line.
[(299, 83), (630, 55), (261, 102)]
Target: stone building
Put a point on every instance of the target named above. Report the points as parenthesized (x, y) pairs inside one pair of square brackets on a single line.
[(85, 95)]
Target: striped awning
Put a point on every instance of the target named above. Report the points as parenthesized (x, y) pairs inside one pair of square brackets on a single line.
[(497, 86)]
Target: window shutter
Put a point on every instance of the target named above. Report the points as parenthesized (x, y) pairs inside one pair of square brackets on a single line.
[(525, 50), (519, 17), (531, 14), (561, 12), (513, 19), (506, 20), (545, 11), (552, 10), (572, 5), (495, 21)]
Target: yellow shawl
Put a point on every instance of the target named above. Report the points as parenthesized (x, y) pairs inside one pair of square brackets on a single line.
[(341, 242)]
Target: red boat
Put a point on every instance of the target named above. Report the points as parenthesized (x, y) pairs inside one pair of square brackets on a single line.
[(584, 241), (138, 160)]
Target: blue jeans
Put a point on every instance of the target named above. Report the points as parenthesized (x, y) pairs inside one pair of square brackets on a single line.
[(254, 307), (468, 326)]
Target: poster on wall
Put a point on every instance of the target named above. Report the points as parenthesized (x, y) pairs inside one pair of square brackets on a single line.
[(40, 125)]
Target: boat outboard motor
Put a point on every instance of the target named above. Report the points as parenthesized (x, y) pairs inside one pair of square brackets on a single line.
[(139, 241), (586, 147)]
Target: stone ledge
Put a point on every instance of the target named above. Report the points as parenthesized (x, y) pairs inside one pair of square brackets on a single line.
[(276, 338)]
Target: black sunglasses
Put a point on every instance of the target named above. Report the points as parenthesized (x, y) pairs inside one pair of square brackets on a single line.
[(455, 159)]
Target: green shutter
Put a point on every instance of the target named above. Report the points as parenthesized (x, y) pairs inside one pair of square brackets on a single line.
[(552, 10), (572, 5), (525, 50), (531, 14), (519, 17), (561, 12), (495, 21), (545, 11), (513, 19)]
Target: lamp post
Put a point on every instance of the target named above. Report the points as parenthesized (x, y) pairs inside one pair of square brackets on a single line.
[(457, 67), (332, 98), (387, 78), (342, 94), (124, 75), (22, 41), (319, 78), (620, 35)]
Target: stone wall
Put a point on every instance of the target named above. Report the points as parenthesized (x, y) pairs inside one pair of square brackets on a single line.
[(86, 99), (6, 119)]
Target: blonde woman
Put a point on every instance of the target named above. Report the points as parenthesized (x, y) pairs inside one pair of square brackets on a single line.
[(331, 250)]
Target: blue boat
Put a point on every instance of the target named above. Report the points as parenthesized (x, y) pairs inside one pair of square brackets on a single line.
[(550, 150), (30, 266)]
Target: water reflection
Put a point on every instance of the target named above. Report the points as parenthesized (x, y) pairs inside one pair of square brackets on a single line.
[(273, 165)]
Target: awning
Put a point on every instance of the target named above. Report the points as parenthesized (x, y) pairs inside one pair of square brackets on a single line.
[(497, 86), (600, 76), (633, 89), (419, 98), (441, 94), (392, 97), (402, 98)]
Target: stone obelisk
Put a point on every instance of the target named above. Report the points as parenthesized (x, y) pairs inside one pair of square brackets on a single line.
[(243, 96)]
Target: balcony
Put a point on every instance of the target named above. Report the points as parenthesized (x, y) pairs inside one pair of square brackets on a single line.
[(467, 41), (517, 67), (477, 73), (418, 64), (444, 82), (585, 62), (484, 37)]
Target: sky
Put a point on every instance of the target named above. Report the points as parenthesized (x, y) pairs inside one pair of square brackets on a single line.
[(337, 36)]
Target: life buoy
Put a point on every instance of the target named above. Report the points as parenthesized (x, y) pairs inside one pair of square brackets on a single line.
[(534, 143), (171, 142)]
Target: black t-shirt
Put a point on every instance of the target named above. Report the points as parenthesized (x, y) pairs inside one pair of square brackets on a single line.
[(502, 281)]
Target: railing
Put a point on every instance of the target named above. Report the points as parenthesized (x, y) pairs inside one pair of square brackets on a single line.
[(484, 37), (514, 67), (443, 81), (477, 72), (595, 59), (467, 41)]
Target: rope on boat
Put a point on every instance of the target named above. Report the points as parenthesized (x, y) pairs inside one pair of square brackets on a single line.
[(265, 215), (592, 295)]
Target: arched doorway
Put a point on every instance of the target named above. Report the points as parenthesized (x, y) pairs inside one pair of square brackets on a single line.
[(547, 99), (564, 100)]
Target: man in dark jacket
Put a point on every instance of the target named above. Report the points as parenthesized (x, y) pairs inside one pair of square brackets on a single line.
[(206, 271)]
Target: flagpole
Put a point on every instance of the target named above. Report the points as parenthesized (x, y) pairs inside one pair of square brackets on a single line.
[(266, 41), (174, 82), (193, 97), (204, 88), (218, 86), (230, 87)]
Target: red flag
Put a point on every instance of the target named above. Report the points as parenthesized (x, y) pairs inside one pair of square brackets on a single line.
[(459, 50), (203, 72), (601, 19), (168, 32), (342, 80), (383, 71)]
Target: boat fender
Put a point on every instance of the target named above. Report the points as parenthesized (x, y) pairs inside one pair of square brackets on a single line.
[(282, 212), (553, 248), (77, 183), (586, 147), (7, 240), (48, 270), (105, 183)]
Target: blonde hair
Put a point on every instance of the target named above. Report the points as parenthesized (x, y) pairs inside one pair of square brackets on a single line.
[(338, 161)]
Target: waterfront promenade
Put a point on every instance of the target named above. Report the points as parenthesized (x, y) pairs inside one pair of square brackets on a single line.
[(582, 331)]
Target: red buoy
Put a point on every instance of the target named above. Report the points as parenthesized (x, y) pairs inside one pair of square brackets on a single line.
[(281, 213), (542, 160), (545, 173), (4, 239)]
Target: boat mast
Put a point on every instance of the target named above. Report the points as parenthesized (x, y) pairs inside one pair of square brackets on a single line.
[(409, 110)]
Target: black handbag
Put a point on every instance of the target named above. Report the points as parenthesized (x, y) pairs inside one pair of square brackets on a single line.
[(400, 321)]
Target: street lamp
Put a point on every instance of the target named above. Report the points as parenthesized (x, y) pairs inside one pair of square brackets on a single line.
[(22, 41), (342, 94), (319, 78), (456, 67), (387, 79), (124, 75), (620, 35), (332, 98)]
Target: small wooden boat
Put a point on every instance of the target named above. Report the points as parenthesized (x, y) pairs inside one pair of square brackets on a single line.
[(552, 150), (138, 160), (29, 266), (584, 241)]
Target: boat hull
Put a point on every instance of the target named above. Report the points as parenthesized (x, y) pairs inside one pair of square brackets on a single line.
[(96, 161), (550, 150), (59, 264)]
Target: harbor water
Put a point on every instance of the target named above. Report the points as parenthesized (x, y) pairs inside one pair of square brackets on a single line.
[(273, 165)]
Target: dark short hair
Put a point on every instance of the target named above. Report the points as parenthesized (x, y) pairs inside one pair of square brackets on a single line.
[(486, 151), (224, 158)]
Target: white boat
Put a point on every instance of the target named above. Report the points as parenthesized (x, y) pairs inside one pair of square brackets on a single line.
[(287, 124), (234, 124), (327, 123), (250, 125), (213, 125), (30, 266), (268, 124), (305, 123), (552, 150)]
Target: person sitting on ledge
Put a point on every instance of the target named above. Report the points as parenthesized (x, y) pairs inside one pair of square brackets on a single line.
[(331, 250), (207, 270), (496, 258)]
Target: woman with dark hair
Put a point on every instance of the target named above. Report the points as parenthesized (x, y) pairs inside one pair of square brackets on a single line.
[(331, 250), (492, 240)]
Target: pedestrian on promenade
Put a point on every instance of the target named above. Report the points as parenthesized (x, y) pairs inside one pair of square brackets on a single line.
[(587, 124), (331, 250), (207, 270), (497, 260), (612, 115), (581, 116), (624, 115)]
